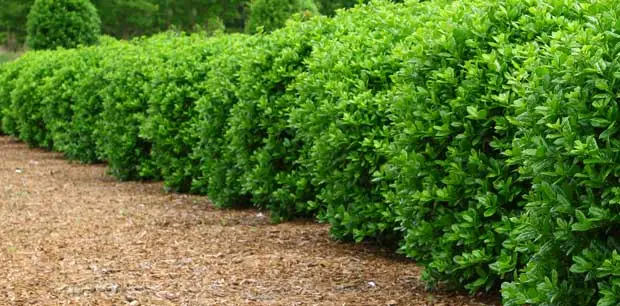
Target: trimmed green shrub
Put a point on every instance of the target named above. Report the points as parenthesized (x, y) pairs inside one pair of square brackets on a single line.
[(73, 104), (362, 109), (217, 176), (455, 192), (8, 76), (27, 98), (342, 116), (172, 124), (59, 86), (268, 15), (62, 23), (262, 147), (175, 86), (568, 147), (128, 75)]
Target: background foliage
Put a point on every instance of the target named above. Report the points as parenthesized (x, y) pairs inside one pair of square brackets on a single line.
[(13, 17), (62, 24), (269, 15), (131, 18)]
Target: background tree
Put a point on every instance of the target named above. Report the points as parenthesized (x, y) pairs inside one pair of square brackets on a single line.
[(198, 14), (129, 18), (329, 7), (269, 15), (62, 23), (12, 22)]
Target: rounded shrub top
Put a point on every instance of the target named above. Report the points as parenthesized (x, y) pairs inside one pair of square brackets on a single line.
[(272, 14), (62, 23)]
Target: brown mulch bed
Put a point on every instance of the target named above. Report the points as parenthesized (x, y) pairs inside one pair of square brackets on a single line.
[(71, 235)]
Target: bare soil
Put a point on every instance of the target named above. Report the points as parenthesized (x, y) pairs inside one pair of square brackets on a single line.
[(72, 235)]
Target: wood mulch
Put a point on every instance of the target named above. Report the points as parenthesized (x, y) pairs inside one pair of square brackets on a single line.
[(72, 235)]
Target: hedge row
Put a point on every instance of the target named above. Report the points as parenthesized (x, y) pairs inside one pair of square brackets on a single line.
[(478, 136)]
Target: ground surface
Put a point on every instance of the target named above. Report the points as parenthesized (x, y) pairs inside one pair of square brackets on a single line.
[(69, 234)]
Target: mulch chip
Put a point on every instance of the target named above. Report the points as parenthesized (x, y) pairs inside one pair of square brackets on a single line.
[(72, 235)]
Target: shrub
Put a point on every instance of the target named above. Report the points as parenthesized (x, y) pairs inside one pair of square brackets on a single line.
[(217, 176), (453, 116), (73, 103), (168, 125), (342, 116), (369, 101), (172, 123), (62, 23), (128, 75), (263, 149), (8, 76), (269, 15), (59, 86), (567, 146), (27, 95)]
